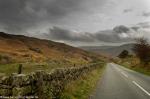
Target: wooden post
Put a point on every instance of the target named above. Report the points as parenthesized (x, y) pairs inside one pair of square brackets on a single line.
[(20, 69)]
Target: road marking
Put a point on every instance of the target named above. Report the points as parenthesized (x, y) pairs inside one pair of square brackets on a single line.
[(141, 88), (117, 68), (124, 74)]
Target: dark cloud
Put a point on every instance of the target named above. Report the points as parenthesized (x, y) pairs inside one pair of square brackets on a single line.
[(146, 14), (144, 24), (20, 15), (112, 36), (57, 33), (135, 28), (127, 10), (121, 29)]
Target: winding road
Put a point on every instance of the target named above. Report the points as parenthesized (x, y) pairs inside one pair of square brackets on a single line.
[(122, 83)]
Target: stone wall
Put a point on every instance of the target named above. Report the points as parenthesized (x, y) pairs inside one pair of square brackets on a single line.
[(42, 84)]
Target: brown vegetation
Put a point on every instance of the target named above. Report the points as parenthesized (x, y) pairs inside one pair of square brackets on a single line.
[(29, 49), (142, 50), (140, 60)]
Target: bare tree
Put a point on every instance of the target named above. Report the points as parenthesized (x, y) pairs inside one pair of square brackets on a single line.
[(142, 50)]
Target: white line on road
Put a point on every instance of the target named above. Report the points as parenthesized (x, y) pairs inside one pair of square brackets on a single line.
[(141, 88), (124, 74), (117, 69)]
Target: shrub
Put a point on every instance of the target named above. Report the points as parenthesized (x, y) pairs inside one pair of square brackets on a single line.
[(37, 50), (142, 50), (123, 54)]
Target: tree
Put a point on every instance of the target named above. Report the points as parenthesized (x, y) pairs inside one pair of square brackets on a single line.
[(123, 54), (142, 50)]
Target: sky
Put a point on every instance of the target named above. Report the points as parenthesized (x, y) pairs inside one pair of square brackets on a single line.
[(77, 22)]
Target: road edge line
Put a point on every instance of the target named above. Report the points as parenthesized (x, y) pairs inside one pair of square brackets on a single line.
[(141, 88)]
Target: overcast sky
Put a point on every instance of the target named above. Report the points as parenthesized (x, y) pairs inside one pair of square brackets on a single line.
[(77, 22)]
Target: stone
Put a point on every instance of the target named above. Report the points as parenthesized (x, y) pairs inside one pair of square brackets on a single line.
[(5, 92), (7, 80), (21, 91), (20, 80)]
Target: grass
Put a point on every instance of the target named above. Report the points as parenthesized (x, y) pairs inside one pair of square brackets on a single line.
[(82, 88), (133, 63), (27, 68), (7, 69), (142, 70)]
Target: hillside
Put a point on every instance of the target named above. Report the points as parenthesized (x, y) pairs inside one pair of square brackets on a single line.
[(19, 48), (109, 50)]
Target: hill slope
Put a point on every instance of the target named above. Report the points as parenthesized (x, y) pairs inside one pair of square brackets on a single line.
[(19, 48), (110, 50)]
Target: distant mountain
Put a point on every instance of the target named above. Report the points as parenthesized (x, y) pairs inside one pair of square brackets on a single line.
[(19, 48), (109, 50)]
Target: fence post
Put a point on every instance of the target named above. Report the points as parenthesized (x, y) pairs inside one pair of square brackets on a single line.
[(20, 69)]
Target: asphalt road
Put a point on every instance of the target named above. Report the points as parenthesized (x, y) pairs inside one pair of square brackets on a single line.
[(122, 83)]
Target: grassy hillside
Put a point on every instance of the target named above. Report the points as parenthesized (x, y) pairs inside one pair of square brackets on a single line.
[(25, 49), (39, 54)]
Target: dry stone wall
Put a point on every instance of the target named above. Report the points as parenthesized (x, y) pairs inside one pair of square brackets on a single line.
[(40, 84)]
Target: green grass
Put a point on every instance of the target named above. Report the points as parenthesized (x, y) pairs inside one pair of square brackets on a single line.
[(140, 69), (7, 69), (82, 88), (27, 68)]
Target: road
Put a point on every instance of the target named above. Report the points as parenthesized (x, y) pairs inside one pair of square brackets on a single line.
[(122, 83)]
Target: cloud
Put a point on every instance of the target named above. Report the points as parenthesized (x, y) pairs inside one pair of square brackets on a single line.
[(114, 36), (127, 10), (121, 29), (141, 29), (146, 14), (144, 24), (18, 16), (135, 28), (57, 33), (118, 34), (21, 15)]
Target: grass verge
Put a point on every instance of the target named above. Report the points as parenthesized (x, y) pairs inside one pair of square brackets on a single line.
[(140, 69), (82, 88)]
